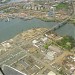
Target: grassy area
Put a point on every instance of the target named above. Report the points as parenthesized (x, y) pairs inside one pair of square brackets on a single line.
[(61, 71), (46, 19), (62, 6), (46, 45), (66, 42)]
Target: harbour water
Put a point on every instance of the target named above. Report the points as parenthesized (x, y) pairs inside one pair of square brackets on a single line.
[(15, 26), (17, 0)]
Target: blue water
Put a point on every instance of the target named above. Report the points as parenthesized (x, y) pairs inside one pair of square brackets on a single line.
[(15, 26), (17, 0), (68, 29)]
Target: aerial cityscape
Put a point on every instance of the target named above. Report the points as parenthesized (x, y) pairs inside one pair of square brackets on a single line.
[(37, 37)]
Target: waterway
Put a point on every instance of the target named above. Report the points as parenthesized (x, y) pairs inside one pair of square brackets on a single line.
[(17, 0), (15, 26)]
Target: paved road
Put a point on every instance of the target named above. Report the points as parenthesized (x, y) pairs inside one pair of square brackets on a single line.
[(45, 64), (73, 2), (17, 53), (12, 56), (61, 57)]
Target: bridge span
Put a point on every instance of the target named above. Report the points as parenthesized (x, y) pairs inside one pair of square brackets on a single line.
[(58, 25)]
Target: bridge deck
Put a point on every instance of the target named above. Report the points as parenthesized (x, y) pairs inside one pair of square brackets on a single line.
[(58, 25)]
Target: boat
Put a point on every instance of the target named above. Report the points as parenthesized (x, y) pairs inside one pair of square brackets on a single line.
[(7, 20)]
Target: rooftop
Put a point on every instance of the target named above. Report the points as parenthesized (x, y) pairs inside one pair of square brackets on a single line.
[(51, 73)]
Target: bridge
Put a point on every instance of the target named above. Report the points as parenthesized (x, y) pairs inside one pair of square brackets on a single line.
[(73, 2), (58, 25)]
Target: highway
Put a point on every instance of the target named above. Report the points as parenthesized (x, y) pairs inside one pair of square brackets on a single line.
[(17, 53), (9, 54), (45, 64), (12, 56), (73, 2), (39, 60)]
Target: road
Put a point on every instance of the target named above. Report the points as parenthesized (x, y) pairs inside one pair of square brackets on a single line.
[(73, 2), (39, 60), (17, 53), (12, 56), (61, 57)]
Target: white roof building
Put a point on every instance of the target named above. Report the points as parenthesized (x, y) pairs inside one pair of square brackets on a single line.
[(34, 41), (50, 55), (51, 73)]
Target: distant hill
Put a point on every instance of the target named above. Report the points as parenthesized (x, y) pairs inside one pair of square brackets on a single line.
[(4, 1)]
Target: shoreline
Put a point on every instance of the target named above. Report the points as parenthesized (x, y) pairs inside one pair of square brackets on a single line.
[(29, 29), (49, 20), (27, 35), (25, 18), (7, 19)]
